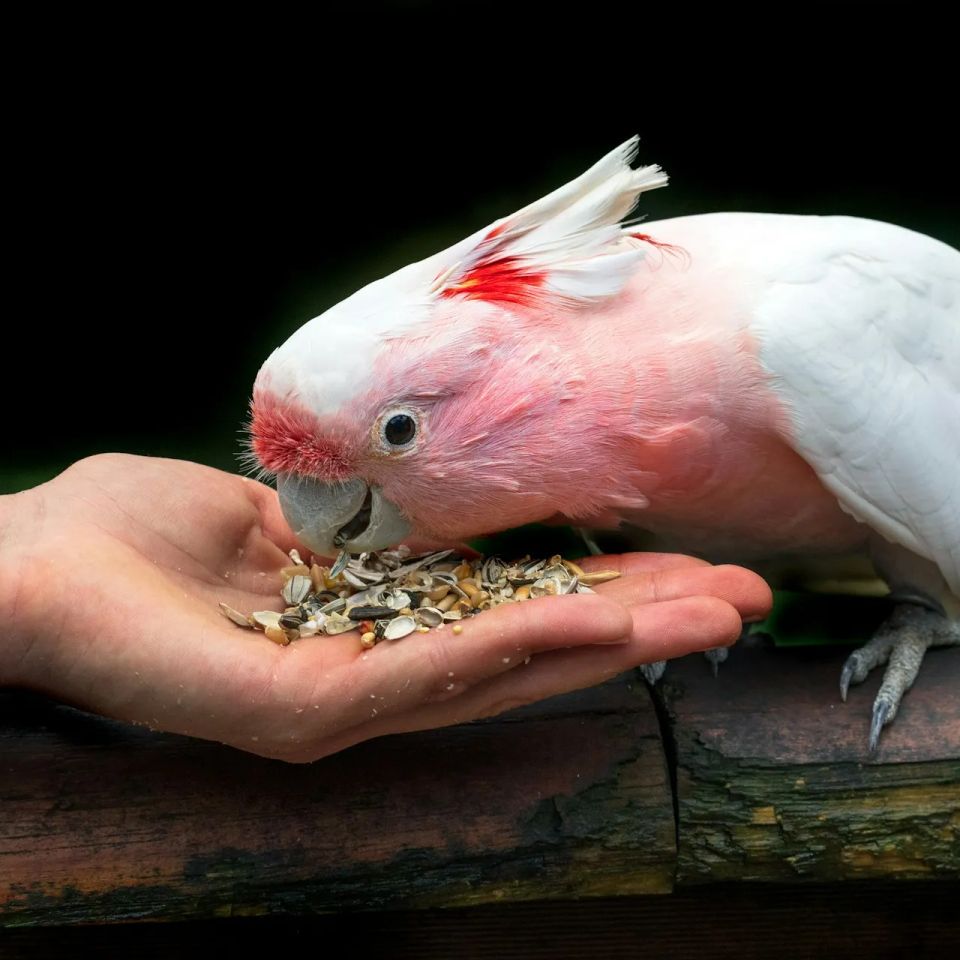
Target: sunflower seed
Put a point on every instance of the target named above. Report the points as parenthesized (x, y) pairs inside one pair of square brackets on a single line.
[(296, 589), (371, 613), (401, 627), (353, 579), (420, 562), (491, 571), (571, 586), (398, 600), (398, 594), (334, 606), (235, 615), (430, 616), (277, 635), (338, 565), (336, 623), (265, 618)]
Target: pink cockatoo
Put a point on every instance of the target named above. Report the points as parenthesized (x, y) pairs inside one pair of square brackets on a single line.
[(749, 387)]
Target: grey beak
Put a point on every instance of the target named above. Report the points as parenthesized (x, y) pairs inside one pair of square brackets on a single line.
[(329, 517)]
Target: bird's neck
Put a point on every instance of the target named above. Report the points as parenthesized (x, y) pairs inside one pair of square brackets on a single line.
[(672, 374), (689, 427)]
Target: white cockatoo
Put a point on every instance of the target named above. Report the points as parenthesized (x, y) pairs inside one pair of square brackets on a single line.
[(771, 390)]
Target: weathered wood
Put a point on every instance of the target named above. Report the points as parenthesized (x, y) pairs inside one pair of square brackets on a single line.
[(102, 821), (775, 782)]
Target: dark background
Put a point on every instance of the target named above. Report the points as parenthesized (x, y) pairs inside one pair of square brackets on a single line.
[(185, 195)]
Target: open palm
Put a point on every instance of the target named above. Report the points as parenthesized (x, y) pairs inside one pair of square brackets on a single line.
[(120, 562)]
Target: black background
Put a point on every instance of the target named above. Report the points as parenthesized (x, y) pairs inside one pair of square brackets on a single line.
[(182, 196)]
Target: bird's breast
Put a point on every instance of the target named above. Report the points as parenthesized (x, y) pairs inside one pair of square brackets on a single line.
[(744, 497)]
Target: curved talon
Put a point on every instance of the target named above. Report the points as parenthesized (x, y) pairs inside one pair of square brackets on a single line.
[(715, 657), (846, 674), (882, 714), (652, 672), (855, 670)]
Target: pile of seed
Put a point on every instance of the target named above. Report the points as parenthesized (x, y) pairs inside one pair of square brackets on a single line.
[(389, 594)]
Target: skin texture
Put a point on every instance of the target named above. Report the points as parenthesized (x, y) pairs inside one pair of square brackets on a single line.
[(110, 576)]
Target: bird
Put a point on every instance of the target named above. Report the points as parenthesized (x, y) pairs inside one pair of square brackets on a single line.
[(779, 391)]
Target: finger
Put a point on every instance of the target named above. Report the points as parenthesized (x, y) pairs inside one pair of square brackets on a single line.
[(660, 631), (672, 612), (742, 589), (443, 663), (316, 691), (628, 563), (399, 675)]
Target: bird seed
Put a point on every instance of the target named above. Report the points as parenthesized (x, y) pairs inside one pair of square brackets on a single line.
[(389, 594)]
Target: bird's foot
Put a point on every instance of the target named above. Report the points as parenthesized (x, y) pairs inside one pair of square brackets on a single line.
[(901, 643), (719, 655), (715, 657), (652, 672)]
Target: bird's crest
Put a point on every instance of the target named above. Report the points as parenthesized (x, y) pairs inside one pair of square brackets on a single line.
[(569, 245)]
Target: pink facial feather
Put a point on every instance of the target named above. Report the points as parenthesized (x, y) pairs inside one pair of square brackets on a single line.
[(555, 372)]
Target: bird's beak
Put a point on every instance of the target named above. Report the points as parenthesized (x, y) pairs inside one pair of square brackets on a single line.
[(328, 517)]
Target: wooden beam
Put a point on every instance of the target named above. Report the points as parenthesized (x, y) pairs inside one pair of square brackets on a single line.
[(775, 782), (104, 822)]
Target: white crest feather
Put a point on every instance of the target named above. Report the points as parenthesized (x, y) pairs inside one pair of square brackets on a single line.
[(572, 236), (570, 242)]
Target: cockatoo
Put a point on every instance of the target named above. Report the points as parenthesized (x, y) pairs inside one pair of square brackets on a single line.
[(747, 387)]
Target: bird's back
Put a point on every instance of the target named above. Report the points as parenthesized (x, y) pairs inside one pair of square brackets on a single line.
[(857, 325)]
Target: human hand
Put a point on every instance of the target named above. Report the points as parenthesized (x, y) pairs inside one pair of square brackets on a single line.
[(111, 573)]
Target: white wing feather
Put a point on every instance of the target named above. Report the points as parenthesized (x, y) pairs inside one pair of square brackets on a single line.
[(859, 325)]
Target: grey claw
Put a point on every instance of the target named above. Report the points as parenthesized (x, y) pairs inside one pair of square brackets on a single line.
[(881, 714), (715, 657), (846, 674), (652, 672)]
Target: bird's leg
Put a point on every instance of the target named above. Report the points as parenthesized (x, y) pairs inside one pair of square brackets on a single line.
[(652, 672), (901, 643)]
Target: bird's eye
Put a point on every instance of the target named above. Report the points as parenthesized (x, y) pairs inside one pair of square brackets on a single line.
[(398, 429)]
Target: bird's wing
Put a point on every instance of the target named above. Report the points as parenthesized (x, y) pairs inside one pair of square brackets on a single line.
[(860, 333)]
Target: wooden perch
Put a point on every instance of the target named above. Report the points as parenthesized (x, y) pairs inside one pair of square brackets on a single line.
[(775, 782), (103, 821), (565, 799)]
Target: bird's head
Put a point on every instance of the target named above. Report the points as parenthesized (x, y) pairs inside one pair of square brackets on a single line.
[(444, 400)]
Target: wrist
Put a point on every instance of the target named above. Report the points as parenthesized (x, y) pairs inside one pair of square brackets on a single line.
[(14, 630)]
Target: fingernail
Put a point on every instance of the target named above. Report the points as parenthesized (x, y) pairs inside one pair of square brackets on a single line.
[(753, 619), (614, 642)]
